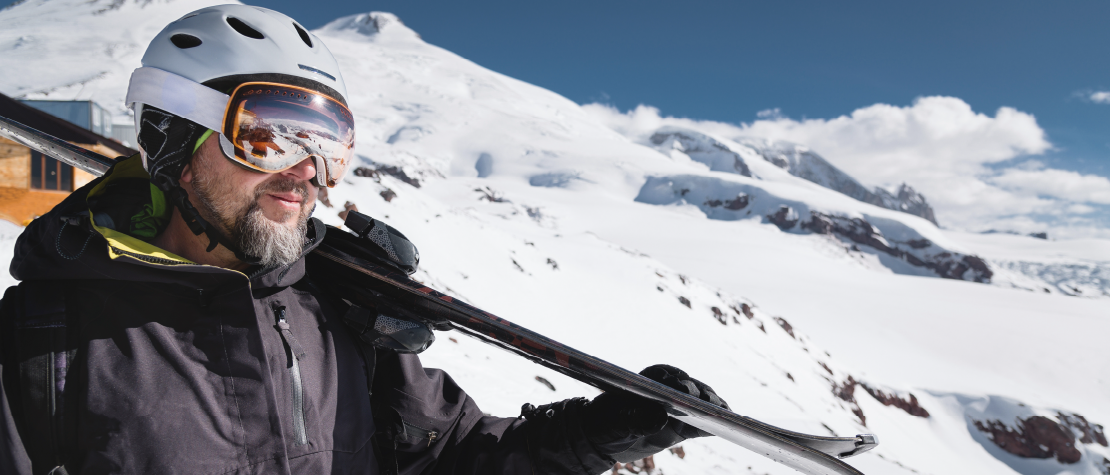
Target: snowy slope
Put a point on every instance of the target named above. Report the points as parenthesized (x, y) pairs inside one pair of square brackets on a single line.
[(1076, 267), (80, 50), (528, 206)]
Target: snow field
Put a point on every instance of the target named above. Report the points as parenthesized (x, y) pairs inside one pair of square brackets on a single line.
[(516, 181)]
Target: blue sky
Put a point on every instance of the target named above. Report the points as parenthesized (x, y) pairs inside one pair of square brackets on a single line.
[(727, 60)]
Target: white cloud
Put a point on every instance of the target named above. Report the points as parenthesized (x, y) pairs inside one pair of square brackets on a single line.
[(968, 164), (775, 113), (1099, 97), (1062, 184), (934, 136)]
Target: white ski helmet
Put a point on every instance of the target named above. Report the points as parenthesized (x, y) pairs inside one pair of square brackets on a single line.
[(231, 40), (192, 62)]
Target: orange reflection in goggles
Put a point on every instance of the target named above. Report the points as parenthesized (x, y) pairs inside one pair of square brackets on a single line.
[(274, 126)]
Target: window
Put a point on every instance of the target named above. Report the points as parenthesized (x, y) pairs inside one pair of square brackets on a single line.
[(50, 174)]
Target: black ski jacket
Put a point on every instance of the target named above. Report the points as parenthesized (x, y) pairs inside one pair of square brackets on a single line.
[(175, 367)]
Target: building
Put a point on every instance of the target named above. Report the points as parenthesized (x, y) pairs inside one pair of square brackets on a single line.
[(30, 183), (88, 115)]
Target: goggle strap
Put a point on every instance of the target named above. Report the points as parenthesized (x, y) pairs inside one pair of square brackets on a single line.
[(179, 96)]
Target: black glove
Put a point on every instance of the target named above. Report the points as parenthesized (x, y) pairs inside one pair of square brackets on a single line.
[(628, 427)]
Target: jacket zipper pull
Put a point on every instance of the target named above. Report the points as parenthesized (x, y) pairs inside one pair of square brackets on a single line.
[(287, 332), (432, 437)]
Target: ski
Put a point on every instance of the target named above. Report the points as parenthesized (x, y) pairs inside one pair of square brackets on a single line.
[(51, 146), (389, 286)]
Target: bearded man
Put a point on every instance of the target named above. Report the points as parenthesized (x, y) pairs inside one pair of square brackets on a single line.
[(166, 323)]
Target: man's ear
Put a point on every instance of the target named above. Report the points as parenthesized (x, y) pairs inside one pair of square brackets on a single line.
[(187, 172)]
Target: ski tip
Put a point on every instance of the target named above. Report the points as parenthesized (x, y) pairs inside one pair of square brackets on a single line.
[(864, 442)]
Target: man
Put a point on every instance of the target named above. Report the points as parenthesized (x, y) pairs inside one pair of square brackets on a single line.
[(166, 322)]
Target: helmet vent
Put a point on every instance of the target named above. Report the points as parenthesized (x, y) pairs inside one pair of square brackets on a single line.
[(184, 41), (304, 35), (243, 28)]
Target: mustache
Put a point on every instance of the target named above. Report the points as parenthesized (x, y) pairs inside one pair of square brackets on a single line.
[(283, 185)]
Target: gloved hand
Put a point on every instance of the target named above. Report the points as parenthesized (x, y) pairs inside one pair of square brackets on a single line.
[(628, 427)]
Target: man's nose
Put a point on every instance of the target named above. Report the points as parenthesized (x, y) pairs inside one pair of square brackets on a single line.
[(303, 171)]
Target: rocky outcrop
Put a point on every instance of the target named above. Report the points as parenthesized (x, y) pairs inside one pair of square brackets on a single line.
[(785, 218), (906, 200), (736, 204), (846, 392), (729, 200), (701, 148), (949, 265), (908, 404), (395, 172), (789, 329), (1088, 433), (1035, 437), (802, 162)]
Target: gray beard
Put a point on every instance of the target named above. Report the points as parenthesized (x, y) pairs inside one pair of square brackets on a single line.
[(274, 244)]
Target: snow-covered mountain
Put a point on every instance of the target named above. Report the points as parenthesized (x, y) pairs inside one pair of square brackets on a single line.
[(799, 161), (803, 306)]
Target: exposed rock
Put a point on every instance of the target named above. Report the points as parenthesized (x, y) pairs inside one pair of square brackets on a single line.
[(907, 200), (348, 206), (911, 406), (802, 162), (395, 172), (1039, 235), (735, 204), (945, 264), (919, 243), (1036, 437), (684, 301), (744, 309), (645, 465), (827, 368), (847, 393), (551, 262), (388, 195), (701, 148), (785, 218), (785, 326), (678, 452), (819, 224), (490, 195), (719, 315), (1088, 433)]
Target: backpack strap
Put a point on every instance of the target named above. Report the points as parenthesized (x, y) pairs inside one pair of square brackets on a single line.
[(44, 360)]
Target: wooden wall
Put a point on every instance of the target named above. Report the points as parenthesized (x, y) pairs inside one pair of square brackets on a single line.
[(15, 165)]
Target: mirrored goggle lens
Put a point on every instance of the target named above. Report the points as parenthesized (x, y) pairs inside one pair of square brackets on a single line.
[(273, 127)]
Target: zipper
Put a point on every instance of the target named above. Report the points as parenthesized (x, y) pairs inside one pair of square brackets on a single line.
[(420, 432), (146, 258), (296, 353)]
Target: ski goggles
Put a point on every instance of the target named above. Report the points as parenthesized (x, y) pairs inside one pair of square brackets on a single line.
[(264, 126), (272, 127)]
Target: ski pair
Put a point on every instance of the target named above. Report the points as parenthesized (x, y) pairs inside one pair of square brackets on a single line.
[(809, 454)]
